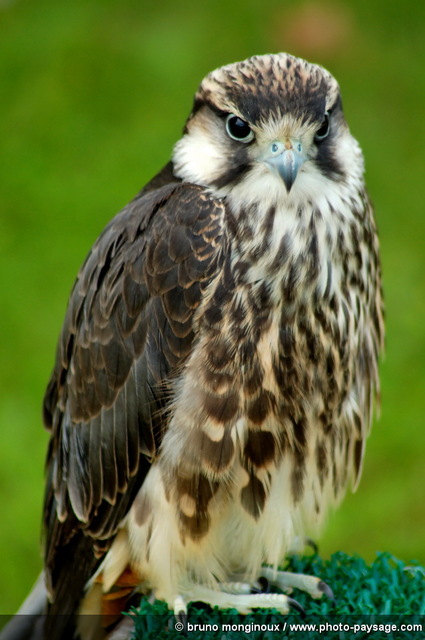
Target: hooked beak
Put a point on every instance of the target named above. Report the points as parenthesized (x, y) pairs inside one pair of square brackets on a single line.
[(286, 158)]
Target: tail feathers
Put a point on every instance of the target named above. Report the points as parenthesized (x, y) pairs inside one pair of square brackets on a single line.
[(28, 623)]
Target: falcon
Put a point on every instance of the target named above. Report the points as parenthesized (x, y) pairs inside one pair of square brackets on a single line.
[(217, 367)]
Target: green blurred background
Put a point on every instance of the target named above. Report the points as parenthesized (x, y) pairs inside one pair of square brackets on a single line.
[(93, 94)]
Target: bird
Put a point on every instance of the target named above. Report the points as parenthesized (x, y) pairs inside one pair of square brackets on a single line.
[(217, 370)]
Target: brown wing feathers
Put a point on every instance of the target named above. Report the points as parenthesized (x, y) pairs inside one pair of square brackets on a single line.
[(128, 329)]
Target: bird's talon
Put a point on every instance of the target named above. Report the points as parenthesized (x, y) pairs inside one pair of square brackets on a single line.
[(262, 585), (311, 543), (326, 590), (180, 608), (294, 604), (181, 618)]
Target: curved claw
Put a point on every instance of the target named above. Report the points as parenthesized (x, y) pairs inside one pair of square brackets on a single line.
[(181, 618), (310, 543), (180, 612), (262, 585), (294, 604), (326, 590)]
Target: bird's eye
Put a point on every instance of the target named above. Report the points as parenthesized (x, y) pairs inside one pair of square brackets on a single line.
[(238, 129), (323, 130)]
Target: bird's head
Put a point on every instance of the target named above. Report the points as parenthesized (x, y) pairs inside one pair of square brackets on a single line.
[(272, 125)]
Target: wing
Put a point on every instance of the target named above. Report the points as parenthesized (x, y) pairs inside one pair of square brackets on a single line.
[(127, 332)]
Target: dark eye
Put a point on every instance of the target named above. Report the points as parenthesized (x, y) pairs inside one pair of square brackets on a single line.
[(238, 129), (323, 130)]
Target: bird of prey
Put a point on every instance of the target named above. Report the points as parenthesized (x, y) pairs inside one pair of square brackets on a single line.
[(217, 367)]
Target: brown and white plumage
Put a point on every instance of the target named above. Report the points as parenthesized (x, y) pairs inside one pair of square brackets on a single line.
[(217, 365)]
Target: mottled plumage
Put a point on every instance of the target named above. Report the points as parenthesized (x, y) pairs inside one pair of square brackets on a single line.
[(215, 375)]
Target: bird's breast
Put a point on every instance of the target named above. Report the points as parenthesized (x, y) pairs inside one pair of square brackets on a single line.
[(269, 377)]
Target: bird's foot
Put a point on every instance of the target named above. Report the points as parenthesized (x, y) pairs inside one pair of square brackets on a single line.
[(237, 596), (245, 597), (287, 581), (180, 608)]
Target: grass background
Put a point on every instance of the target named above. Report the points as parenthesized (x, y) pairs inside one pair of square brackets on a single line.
[(93, 94)]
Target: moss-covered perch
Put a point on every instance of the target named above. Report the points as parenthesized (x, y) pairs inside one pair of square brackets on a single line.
[(386, 592)]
